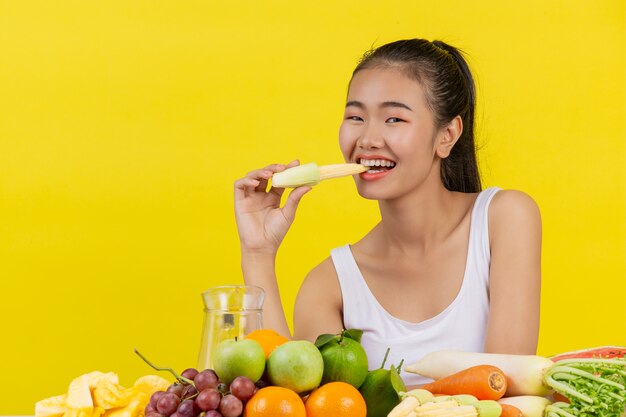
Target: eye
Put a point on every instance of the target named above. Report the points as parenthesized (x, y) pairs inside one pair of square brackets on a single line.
[(394, 120), (354, 118)]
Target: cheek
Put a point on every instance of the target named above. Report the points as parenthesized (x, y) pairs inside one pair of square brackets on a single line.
[(346, 140)]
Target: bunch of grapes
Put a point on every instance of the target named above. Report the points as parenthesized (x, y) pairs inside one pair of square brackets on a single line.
[(202, 394)]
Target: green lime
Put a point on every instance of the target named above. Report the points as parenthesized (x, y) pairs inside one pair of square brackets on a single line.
[(344, 360), (381, 390)]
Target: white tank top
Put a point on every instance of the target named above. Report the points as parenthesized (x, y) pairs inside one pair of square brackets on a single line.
[(460, 326)]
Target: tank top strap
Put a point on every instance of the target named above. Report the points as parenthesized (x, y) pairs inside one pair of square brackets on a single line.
[(354, 290), (479, 232)]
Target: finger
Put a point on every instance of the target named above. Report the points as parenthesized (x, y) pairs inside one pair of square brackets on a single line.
[(273, 168), (291, 205), (244, 186), (293, 163), (264, 178), (277, 190), (266, 173)]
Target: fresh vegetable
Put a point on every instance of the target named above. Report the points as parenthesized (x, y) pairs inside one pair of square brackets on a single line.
[(485, 382), (381, 389), (510, 411), (416, 403), (311, 174), (529, 405), (606, 352), (524, 373), (594, 387), (488, 408)]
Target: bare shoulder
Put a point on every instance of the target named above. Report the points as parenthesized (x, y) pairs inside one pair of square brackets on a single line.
[(321, 283), (319, 303), (513, 207), (325, 270)]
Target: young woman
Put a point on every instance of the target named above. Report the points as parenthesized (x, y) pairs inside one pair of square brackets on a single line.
[(449, 266)]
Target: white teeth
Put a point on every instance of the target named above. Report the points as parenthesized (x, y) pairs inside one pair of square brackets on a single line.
[(377, 163)]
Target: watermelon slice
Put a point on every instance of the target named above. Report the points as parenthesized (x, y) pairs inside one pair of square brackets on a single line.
[(597, 352)]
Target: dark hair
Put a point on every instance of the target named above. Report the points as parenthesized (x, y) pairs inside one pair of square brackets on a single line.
[(450, 92)]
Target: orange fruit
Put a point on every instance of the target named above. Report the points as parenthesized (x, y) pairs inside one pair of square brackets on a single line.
[(337, 399), (275, 402), (267, 338)]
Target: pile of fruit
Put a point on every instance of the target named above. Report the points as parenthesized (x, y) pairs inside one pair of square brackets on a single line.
[(267, 375)]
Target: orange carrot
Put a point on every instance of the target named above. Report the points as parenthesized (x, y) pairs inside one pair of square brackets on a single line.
[(510, 411), (485, 382)]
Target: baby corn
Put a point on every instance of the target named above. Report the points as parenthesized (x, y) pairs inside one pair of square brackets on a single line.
[(311, 174), (417, 404)]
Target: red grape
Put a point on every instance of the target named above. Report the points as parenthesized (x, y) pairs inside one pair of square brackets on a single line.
[(155, 398), (188, 408), (176, 388), (206, 379), (209, 399), (188, 391), (231, 406), (213, 413), (189, 373), (242, 388), (168, 403)]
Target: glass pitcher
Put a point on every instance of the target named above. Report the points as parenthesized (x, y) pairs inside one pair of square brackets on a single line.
[(229, 311)]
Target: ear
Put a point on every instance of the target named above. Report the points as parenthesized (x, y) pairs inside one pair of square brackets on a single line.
[(447, 137)]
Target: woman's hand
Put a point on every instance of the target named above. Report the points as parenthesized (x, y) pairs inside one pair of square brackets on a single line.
[(261, 222)]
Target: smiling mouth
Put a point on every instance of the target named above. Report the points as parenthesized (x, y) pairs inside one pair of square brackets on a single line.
[(377, 165)]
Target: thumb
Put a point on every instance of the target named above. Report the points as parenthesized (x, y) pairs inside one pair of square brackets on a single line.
[(291, 205)]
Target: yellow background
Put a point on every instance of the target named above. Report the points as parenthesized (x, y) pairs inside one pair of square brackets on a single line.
[(123, 125)]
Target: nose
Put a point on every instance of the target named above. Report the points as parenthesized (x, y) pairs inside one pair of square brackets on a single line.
[(371, 138)]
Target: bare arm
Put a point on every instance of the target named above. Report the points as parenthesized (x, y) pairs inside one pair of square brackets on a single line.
[(262, 225), (319, 304), (515, 274)]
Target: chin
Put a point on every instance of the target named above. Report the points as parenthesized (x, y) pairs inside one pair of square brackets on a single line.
[(375, 193)]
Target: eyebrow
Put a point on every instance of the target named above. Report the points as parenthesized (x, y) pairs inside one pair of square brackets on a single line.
[(384, 104)]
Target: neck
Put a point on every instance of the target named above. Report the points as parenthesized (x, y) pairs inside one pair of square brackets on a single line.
[(419, 220)]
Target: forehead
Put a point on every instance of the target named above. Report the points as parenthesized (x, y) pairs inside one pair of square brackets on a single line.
[(377, 85)]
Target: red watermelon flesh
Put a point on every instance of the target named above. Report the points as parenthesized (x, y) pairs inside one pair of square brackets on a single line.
[(606, 352)]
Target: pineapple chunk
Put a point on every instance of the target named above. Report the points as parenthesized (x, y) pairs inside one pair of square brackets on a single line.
[(79, 399), (134, 409), (51, 407), (108, 395), (150, 384)]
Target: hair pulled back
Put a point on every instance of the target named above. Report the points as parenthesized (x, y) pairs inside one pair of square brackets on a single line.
[(450, 92)]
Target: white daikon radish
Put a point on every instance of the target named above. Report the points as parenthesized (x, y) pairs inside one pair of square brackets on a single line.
[(524, 373), (529, 405)]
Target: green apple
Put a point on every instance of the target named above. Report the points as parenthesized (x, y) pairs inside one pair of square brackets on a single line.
[(297, 365), (233, 358)]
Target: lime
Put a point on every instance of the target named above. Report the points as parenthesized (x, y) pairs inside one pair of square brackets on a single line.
[(381, 390), (344, 360)]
